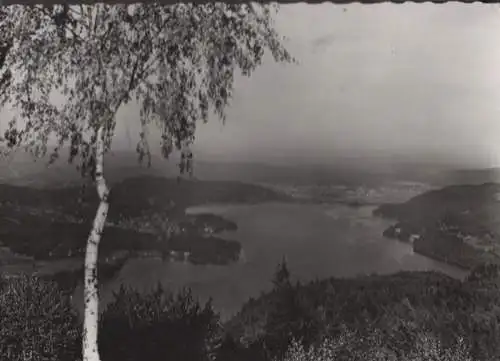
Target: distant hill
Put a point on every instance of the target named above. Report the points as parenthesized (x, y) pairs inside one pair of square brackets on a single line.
[(457, 224), (24, 170), (21, 169), (134, 195), (53, 223), (471, 176)]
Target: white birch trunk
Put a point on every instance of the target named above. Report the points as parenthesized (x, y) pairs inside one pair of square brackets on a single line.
[(91, 295)]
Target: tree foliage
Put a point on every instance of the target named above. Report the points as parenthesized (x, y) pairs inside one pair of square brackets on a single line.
[(349, 347), (292, 316), (37, 321), (157, 326), (176, 62)]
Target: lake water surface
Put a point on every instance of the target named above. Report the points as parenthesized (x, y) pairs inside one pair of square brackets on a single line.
[(317, 241)]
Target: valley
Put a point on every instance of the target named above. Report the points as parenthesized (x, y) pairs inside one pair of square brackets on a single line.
[(215, 236)]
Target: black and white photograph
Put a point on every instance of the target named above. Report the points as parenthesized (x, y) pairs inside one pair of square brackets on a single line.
[(225, 181)]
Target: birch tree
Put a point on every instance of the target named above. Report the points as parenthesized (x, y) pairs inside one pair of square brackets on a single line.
[(176, 62)]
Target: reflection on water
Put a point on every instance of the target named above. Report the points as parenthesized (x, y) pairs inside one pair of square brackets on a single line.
[(318, 241)]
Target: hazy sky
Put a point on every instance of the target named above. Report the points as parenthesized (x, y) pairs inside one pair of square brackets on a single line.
[(416, 79), (412, 79)]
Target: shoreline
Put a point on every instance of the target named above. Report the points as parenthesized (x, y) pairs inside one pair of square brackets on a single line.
[(208, 208), (204, 209), (450, 263), (220, 209), (396, 232), (431, 256)]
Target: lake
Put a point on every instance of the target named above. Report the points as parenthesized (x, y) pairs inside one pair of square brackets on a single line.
[(317, 241)]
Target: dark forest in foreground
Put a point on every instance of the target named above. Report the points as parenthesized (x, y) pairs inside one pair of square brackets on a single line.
[(405, 316)]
